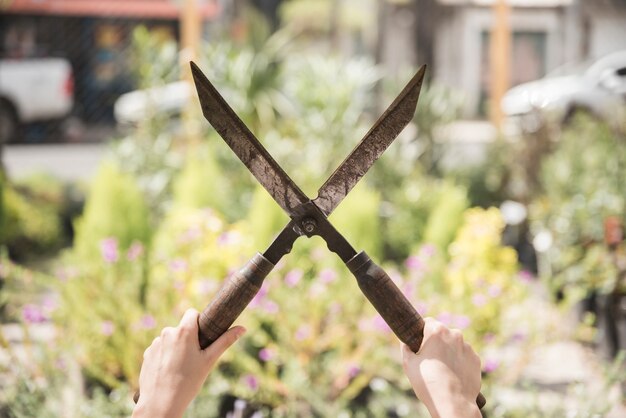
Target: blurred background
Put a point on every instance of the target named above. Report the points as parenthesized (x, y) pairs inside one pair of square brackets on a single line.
[(499, 210)]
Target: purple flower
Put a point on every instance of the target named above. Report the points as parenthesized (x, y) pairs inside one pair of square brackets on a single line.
[(479, 300), (223, 239), (445, 318), (260, 296), (178, 265), (461, 322), (491, 365), (422, 308), (271, 307), (380, 324), (489, 337), (266, 354), (32, 314), (147, 322), (494, 290), (251, 381), (428, 250), (518, 337), (414, 263), (328, 275), (206, 286), (303, 332), (526, 276), (107, 328), (108, 249), (49, 304), (353, 371), (407, 289), (293, 277), (135, 251)]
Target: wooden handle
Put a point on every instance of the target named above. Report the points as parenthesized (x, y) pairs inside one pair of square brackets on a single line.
[(391, 304), (232, 299), (235, 294)]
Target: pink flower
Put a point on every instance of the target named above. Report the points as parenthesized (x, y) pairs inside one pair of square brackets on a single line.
[(353, 371), (259, 298), (108, 249), (526, 276), (489, 337), (32, 314), (303, 333), (380, 325), (445, 318), (428, 250), (107, 328), (266, 354), (414, 263), (518, 337), (494, 290), (135, 251), (491, 365), (49, 304), (251, 381), (461, 322), (271, 307), (293, 277), (206, 286), (479, 300), (178, 265), (422, 308), (147, 322), (328, 275)]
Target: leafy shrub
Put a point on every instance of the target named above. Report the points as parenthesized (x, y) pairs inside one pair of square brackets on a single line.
[(115, 208), (583, 186), (28, 225)]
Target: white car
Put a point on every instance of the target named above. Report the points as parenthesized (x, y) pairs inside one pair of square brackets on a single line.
[(597, 87), (131, 108), (33, 90)]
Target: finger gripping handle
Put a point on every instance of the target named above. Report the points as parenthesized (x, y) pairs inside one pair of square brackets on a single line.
[(235, 294), (391, 304), (233, 297)]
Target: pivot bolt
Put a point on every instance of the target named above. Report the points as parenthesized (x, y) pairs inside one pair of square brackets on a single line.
[(309, 225)]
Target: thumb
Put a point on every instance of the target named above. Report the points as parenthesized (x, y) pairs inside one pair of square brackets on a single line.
[(215, 350)]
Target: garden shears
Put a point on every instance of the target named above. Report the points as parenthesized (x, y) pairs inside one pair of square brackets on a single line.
[(309, 217)]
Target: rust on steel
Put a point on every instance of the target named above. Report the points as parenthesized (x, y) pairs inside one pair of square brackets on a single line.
[(372, 146), (246, 146)]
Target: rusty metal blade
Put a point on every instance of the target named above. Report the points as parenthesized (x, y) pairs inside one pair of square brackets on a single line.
[(246, 146), (372, 146)]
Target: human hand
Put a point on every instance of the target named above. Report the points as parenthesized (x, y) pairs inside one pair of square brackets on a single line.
[(174, 368), (445, 372)]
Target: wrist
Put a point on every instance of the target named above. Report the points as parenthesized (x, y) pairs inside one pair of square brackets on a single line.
[(147, 409), (453, 407)]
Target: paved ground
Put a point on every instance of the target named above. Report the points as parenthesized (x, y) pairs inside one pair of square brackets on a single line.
[(65, 161)]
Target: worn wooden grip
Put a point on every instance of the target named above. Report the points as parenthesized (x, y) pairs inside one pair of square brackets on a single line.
[(391, 304), (235, 294), (233, 297)]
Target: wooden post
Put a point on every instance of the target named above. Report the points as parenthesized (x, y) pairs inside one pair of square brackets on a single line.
[(500, 53), (190, 36), (190, 33)]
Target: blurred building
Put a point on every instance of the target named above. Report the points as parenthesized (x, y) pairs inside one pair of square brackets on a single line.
[(453, 37), (94, 35)]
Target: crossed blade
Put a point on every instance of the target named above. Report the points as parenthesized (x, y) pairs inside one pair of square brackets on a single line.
[(275, 180)]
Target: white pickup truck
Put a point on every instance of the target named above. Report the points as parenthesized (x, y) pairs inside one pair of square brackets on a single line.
[(33, 90)]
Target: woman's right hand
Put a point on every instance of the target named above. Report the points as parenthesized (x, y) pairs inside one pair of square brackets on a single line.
[(445, 372)]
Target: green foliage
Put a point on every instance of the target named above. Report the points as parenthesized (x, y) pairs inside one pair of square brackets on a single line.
[(446, 216), (115, 208), (583, 186), (265, 218), (358, 219), (29, 224), (201, 184), (424, 210)]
